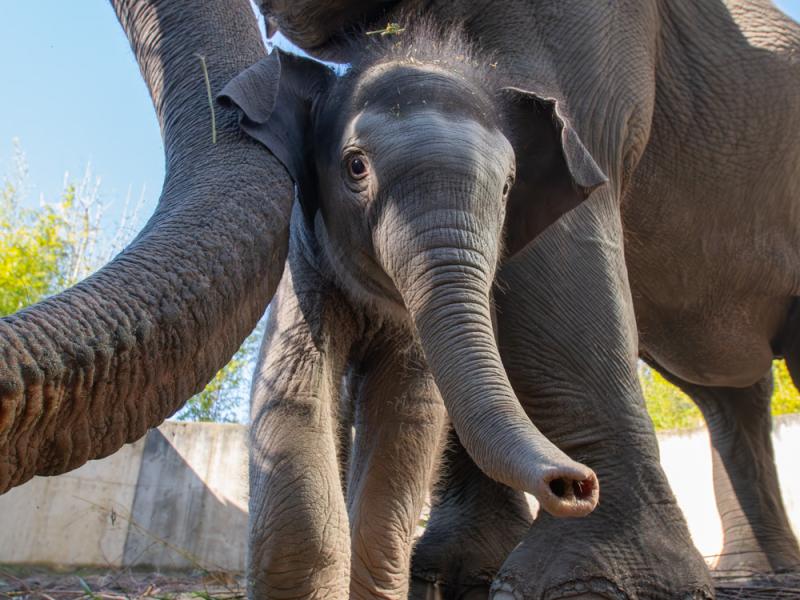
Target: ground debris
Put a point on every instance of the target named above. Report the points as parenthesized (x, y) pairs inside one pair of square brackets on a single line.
[(123, 584), (760, 587)]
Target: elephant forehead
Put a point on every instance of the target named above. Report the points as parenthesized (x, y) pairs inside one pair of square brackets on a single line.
[(431, 138), (401, 88)]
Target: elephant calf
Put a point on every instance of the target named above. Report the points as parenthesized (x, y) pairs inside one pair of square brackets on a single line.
[(405, 171)]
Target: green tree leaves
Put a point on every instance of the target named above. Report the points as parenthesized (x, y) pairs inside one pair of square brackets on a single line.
[(785, 398), (670, 408), (223, 398), (47, 249), (33, 248), (32, 251)]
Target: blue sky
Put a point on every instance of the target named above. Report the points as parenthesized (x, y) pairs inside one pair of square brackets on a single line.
[(72, 94)]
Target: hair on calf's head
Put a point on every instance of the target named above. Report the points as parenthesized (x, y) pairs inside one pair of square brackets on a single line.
[(424, 66)]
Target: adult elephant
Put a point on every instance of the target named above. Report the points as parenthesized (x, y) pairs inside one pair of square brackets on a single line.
[(94, 367), (691, 109)]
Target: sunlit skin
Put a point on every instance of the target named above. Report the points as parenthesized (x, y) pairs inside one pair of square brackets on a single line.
[(403, 195)]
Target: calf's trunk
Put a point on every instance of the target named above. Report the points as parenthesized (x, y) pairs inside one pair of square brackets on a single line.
[(450, 307)]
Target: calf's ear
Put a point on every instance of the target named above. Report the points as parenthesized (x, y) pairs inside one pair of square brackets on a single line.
[(276, 98), (555, 171)]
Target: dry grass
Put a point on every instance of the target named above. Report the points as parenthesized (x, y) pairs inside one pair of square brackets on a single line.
[(762, 587), (40, 584)]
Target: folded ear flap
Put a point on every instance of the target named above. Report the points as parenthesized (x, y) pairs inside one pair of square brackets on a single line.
[(555, 171), (276, 98)]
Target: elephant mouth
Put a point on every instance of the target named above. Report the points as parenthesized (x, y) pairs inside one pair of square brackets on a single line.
[(362, 277)]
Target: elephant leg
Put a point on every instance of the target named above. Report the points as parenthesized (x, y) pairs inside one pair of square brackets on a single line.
[(399, 423), (758, 537), (399, 419), (299, 541), (569, 344), (474, 525)]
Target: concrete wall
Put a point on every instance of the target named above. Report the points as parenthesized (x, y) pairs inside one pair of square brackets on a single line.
[(178, 499), (192, 493), (74, 518)]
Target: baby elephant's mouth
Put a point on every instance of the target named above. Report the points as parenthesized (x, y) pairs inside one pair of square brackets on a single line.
[(377, 283), (360, 272)]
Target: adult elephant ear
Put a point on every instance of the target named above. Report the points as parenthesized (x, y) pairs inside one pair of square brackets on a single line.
[(276, 98), (96, 366), (555, 170)]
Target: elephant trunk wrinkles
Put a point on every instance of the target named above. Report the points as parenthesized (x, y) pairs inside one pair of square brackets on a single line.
[(449, 305), (96, 366)]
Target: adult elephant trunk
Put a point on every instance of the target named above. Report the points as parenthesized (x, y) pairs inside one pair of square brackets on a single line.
[(94, 367), (449, 302)]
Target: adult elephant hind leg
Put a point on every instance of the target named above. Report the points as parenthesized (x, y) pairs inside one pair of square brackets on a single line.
[(757, 533), (399, 423), (568, 341), (299, 543), (474, 525)]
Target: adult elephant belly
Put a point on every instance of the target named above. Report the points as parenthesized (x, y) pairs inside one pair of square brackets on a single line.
[(713, 268), (711, 340)]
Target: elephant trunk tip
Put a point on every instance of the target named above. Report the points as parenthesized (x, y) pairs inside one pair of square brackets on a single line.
[(569, 492)]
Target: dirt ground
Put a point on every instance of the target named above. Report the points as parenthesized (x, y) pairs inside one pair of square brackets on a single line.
[(90, 584), (760, 588), (87, 584)]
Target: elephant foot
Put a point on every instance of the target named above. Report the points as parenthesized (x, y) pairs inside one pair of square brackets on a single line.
[(612, 554), (474, 525), (463, 547), (460, 564), (597, 590), (424, 589), (753, 548)]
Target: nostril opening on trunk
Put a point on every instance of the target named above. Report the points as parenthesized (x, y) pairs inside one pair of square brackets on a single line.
[(583, 489), (571, 497), (558, 487), (571, 488)]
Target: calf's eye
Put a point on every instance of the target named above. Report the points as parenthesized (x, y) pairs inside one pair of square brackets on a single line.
[(357, 167)]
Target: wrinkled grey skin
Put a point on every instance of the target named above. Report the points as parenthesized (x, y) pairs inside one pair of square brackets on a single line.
[(691, 109), (389, 281), (673, 99), (88, 370), (95, 367)]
